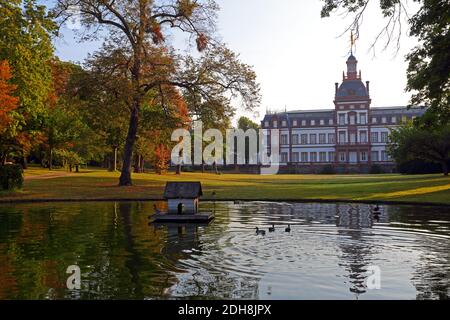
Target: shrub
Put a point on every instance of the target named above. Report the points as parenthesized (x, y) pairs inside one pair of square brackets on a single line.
[(11, 177), (418, 167), (376, 169), (328, 169)]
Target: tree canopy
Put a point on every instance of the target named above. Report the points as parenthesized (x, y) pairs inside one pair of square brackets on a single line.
[(410, 143), (140, 50)]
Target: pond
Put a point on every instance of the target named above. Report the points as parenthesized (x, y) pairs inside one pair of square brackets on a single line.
[(333, 251)]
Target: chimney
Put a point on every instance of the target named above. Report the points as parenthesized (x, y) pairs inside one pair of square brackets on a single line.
[(336, 85), (368, 87)]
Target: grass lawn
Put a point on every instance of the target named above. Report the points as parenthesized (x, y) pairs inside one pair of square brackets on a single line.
[(100, 184)]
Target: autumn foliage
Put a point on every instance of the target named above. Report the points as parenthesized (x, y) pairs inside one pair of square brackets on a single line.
[(162, 157), (7, 101)]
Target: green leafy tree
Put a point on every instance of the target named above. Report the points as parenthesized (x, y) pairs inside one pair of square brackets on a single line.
[(410, 143), (245, 124), (25, 41)]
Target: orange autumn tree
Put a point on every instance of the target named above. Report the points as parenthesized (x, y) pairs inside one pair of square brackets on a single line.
[(163, 113), (8, 102)]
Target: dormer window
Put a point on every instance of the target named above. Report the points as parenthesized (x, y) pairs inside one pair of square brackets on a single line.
[(294, 123), (283, 123), (313, 122), (275, 123), (266, 124)]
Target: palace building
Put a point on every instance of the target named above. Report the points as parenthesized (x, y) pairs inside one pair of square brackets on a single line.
[(352, 136)]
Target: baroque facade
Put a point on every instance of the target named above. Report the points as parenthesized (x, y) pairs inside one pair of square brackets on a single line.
[(352, 136)]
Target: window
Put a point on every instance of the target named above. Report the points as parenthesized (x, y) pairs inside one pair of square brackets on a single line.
[(294, 123), (322, 138), (275, 124), (303, 123), (374, 156), (295, 157), (404, 119), (342, 137), (304, 138), (313, 138), (313, 122), (383, 120), (304, 156), (313, 156), (342, 119), (331, 138), (374, 137), (331, 156), (363, 137), (284, 139), (322, 157), (394, 120), (283, 123), (374, 120), (384, 156), (295, 139), (352, 119), (362, 118), (266, 124), (330, 122), (284, 157), (322, 122), (342, 156), (384, 137), (363, 156)]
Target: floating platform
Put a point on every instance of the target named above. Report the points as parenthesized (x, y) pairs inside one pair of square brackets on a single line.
[(204, 217)]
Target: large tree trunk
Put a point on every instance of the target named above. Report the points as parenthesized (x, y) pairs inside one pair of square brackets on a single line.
[(125, 176), (445, 168)]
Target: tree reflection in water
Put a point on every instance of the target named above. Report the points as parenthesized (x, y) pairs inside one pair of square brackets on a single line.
[(121, 256)]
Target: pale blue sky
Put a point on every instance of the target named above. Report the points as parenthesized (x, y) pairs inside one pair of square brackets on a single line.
[(297, 55)]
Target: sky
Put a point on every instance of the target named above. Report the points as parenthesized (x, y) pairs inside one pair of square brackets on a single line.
[(296, 54)]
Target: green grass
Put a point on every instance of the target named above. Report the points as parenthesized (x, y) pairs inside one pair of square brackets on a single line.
[(100, 184)]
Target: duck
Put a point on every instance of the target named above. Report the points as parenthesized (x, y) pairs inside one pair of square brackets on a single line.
[(260, 232), (272, 228), (376, 210), (288, 229)]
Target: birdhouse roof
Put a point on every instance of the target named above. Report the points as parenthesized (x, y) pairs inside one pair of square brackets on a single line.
[(183, 190)]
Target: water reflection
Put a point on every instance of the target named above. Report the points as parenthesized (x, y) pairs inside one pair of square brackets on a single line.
[(326, 255)]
